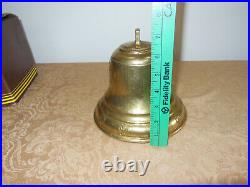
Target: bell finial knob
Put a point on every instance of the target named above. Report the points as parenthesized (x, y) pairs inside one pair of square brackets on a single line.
[(137, 37)]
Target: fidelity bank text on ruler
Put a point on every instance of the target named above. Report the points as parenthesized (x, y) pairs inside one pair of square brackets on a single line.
[(163, 26)]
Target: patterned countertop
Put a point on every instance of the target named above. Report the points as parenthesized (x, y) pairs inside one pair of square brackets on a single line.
[(50, 135)]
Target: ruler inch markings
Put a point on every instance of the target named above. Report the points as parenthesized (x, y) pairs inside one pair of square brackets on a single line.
[(163, 26)]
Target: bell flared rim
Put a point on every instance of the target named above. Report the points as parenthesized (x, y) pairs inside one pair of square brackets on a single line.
[(133, 131)]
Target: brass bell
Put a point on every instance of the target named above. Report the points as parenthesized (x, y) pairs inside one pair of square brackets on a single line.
[(124, 110)]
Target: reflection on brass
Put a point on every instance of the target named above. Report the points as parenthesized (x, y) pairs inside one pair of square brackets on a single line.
[(124, 110)]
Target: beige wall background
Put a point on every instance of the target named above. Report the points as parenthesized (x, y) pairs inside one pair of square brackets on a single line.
[(89, 32)]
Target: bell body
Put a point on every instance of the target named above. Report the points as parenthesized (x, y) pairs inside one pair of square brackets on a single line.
[(124, 110)]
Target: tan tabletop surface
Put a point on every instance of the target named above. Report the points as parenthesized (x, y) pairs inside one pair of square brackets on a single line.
[(50, 135)]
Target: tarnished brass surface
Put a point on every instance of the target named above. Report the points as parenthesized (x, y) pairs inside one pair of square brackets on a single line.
[(124, 110)]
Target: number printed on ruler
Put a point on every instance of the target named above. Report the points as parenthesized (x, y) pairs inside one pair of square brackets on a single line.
[(163, 25)]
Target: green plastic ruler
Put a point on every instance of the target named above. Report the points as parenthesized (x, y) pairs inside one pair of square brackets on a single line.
[(163, 26)]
